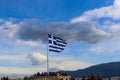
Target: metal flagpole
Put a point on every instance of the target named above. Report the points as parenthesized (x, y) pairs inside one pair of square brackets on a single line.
[(47, 52)]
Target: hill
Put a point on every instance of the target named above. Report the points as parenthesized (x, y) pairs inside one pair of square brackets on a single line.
[(111, 69)]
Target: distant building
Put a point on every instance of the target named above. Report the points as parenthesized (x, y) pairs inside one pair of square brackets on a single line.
[(47, 78), (54, 78), (44, 76)]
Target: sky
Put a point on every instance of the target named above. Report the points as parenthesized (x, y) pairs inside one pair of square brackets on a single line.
[(90, 27)]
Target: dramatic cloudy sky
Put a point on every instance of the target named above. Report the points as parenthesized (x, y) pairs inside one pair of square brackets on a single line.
[(90, 27)]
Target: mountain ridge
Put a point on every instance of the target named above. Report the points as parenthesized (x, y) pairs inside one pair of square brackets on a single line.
[(110, 69)]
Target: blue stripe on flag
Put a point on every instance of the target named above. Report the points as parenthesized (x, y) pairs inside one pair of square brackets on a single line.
[(57, 47), (50, 41), (54, 50), (49, 36)]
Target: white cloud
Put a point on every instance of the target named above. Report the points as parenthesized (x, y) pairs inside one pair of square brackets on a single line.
[(117, 2), (37, 58), (115, 28), (13, 57), (112, 26), (31, 43), (9, 28), (107, 47), (104, 12), (67, 63), (59, 63), (70, 64), (18, 70)]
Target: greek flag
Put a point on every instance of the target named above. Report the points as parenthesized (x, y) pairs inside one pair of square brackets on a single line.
[(56, 44)]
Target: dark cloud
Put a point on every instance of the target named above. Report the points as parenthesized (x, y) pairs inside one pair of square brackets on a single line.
[(81, 31)]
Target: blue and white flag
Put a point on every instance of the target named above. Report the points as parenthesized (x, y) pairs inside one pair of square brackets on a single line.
[(56, 44)]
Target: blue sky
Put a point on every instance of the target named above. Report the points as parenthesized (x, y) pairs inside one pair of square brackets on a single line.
[(90, 27)]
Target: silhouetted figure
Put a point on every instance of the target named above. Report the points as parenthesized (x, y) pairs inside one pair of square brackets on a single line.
[(88, 78), (1, 78), (4, 78), (92, 77), (99, 78), (7, 78), (72, 78), (38, 74), (109, 78), (25, 78), (83, 78)]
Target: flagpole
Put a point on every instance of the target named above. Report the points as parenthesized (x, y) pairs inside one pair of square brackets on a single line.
[(47, 52)]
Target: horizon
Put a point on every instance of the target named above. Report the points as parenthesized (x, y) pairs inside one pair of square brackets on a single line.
[(91, 29), (17, 75)]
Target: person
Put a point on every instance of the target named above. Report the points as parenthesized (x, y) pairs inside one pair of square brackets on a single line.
[(83, 78), (109, 78), (99, 78), (1, 78), (92, 77), (88, 78)]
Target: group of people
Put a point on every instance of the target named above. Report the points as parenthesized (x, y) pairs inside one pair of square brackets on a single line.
[(92, 77), (4, 78)]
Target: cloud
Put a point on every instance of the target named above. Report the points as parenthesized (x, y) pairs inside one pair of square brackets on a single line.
[(37, 58), (31, 30), (80, 29), (61, 63), (12, 57), (104, 12), (18, 70), (84, 31), (117, 2), (8, 27), (30, 70), (69, 64), (114, 28), (107, 47), (31, 43), (64, 65)]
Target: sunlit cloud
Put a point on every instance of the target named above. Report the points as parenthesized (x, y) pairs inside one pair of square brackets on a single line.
[(37, 58), (103, 12)]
